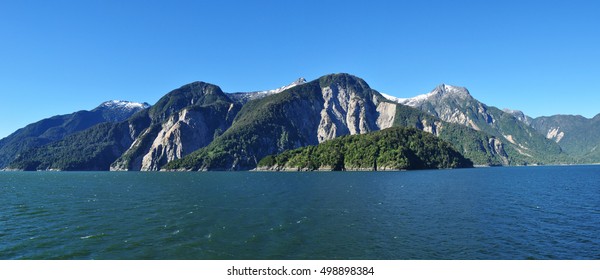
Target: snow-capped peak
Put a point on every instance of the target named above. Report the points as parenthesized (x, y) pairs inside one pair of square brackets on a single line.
[(246, 96), (118, 110), (448, 90), (297, 82), (441, 91), (120, 104), (392, 98)]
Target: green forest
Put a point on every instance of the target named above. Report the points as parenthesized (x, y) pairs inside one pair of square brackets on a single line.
[(390, 149)]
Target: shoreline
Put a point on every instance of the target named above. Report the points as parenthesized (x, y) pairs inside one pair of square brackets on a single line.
[(302, 170)]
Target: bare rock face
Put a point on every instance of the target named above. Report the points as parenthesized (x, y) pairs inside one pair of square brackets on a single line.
[(180, 135), (386, 114), (347, 112), (451, 104), (430, 127), (498, 148), (555, 134)]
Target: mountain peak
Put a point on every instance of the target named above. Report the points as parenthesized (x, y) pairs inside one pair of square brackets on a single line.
[(442, 91), (246, 96), (299, 81), (449, 90), (121, 104), (343, 79), (118, 110), (519, 115)]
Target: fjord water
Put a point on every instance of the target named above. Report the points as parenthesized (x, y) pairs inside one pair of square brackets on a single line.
[(483, 213)]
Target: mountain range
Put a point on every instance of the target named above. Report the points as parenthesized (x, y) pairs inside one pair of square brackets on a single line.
[(58, 127), (576, 135), (200, 127)]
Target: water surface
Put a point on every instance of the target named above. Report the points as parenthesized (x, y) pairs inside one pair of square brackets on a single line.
[(482, 213)]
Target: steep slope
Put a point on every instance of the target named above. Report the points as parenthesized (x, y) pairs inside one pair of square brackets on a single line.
[(389, 149), (92, 149), (577, 135), (479, 147), (324, 109), (199, 127), (307, 114), (520, 116), (56, 128), (453, 104), (181, 122)]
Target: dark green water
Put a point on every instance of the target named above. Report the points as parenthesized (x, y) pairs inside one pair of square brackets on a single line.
[(487, 213)]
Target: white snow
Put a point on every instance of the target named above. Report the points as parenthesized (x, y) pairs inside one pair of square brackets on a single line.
[(264, 93), (392, 98), (413, 101), (124, 104), (440, 90)]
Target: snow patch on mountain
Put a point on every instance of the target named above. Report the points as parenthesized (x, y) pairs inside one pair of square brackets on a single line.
[(119, 110), (247, 96), (391, 98), (121, 104), (440, 92)]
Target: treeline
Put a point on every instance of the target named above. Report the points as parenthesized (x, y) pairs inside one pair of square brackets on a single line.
[(396, 148), (93, 149)]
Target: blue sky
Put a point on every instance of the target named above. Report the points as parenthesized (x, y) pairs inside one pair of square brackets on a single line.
[(57, 57)]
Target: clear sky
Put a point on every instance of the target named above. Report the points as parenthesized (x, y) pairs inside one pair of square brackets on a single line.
[(57, 57)]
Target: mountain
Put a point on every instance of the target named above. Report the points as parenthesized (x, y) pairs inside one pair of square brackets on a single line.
[(119, 110), (200, 127), (481, 148), (394, 148), (317, 111), (58, 127), (577, 135), (523, 144), (181, 122), (307, 114)]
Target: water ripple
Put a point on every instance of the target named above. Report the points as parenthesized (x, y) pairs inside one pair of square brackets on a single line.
[(491, 213)]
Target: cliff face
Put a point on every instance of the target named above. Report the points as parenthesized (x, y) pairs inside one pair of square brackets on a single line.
[(184, 133), (190, 119), (452, 104), (308, 114), (181, 134), (346, 111)]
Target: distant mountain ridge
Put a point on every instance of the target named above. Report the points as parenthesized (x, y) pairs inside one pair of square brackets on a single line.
[(244, 97), (200, 127), (456, 105), (577, 135), (56, 128)]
